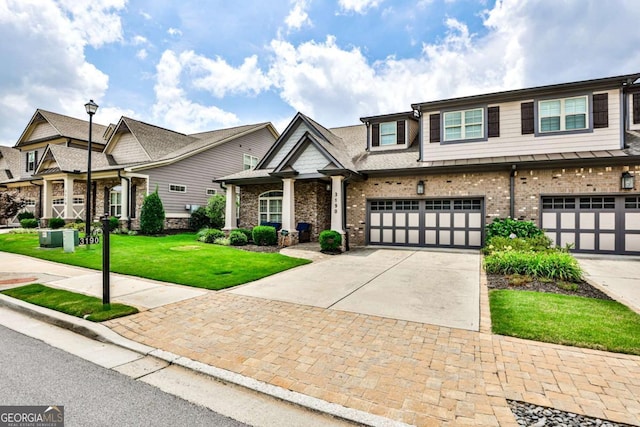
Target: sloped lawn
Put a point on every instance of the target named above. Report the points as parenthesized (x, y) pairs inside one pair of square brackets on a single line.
[(177, 259)]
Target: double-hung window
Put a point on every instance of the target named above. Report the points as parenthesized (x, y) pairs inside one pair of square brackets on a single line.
[(31, 161), (466, 124), (115, 201), (248, 161), (566, 114), (270, 205), (388, 135)]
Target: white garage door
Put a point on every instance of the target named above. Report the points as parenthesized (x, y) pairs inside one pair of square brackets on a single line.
[(597, 224), (456, 223)]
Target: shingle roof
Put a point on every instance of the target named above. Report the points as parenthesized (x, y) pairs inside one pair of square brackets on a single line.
[(70, 127), (156, 141), (11, 157), (75, 159)]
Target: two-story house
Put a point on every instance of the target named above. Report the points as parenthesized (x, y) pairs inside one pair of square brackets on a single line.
[(564, 156), (129, 160)]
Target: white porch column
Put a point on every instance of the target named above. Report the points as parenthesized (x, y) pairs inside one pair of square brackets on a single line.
[(68, 197), (124, 184), (47, 199), (230, 209), (337, 207), (288, 204)]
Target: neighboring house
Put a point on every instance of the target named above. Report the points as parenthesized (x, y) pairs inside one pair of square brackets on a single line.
[(564, 156), (129, 160)]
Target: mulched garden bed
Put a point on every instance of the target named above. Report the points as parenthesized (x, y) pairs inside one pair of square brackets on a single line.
[(515, 282)]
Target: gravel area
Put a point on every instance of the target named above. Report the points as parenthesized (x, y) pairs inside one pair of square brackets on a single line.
[(531, 415), (498, 281)]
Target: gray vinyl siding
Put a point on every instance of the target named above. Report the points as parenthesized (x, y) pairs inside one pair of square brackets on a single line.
[(310, 161), (198, 171), (128, 150), (511, 142), (288, 145)]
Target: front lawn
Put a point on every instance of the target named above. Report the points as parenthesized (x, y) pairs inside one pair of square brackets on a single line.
[(177, 259), (70, 302), (564, 319)]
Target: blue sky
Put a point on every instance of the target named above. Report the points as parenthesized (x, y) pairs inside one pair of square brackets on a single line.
[(195, 65)]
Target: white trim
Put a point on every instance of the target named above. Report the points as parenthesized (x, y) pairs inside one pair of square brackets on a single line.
[(253, 161), (463, 124), (562, 115), (207, 191), (177, 215)]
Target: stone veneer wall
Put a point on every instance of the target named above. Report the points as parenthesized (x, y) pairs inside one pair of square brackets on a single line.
[(312, 204), (31, 192), (493, 186)]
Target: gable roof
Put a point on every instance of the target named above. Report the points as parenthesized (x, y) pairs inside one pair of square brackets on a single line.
[(67, 127), (73, 160)]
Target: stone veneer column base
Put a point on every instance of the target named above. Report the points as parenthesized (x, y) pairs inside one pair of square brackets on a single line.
[(290, 239)]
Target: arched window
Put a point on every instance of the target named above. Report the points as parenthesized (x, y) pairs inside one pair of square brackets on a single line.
[(270, 206), (115, 201)]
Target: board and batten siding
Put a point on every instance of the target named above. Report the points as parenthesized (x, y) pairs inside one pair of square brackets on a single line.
[(128, 150), (310, 161), (288, 145), (198, 171), (511, 142)]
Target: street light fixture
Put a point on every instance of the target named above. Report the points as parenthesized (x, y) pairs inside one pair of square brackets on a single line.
[(91, 108)]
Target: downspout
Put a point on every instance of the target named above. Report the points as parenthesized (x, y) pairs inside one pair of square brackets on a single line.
[(128, 198), (39, 198), (512, 192)]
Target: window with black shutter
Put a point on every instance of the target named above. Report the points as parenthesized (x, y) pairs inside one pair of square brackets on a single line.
[(601, 110), (636, 108), (493, 122), (527, 118), (400, 132), (434, 127), (375, 135)]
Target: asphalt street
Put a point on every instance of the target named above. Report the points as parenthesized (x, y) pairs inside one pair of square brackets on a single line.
[(34, 373)]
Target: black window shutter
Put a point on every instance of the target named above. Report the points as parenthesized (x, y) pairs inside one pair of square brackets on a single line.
[(601, 110), (35, 160), (400, 132), (375, 135), (434, 127), (636, 108), (106, 200), (493, 122), (132, 209), (527, 117), (26, 162)]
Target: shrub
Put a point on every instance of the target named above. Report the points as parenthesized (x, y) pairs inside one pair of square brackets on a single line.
[(551, 265), (330, 241), (152, 214), (506, 227), (264, 235), (10, 204), (29, 223), (209, 235), (199, 219), (114, 223), (56, 223), (24, 231), (25, 215), (246, 232), (75, 225), (237, 238), (221, 241), (538, 243), (215, 210)]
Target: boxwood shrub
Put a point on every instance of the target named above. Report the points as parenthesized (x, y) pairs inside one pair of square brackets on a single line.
[(246, 232), (25, 215), (210, 235), (264, 235), (330, 241), (506, 227), (56, 223), (237, 238), (29, 223)]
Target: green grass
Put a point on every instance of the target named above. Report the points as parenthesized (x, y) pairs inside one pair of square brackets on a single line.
[(562, 319), (69, 302), (177, 259)]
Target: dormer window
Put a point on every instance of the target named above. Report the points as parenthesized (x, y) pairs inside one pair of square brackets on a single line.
[(388, 133)]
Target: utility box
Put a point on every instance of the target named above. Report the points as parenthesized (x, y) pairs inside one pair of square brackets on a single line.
[(68, 240), (53, 238)]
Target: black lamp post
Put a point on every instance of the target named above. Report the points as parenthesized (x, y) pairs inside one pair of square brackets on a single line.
[(91, 108)]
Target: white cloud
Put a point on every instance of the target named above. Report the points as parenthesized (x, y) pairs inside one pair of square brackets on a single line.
[(138, 40), (358, 6), (142, 54), (174, 109), (145, 15), (298, 15), (174, 32), (54, 34)]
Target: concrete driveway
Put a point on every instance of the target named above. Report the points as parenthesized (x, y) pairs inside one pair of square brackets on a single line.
[(617, 275), (439, 288)]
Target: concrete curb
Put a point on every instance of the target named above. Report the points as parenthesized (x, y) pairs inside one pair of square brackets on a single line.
[(102, 333), (611, 295)]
